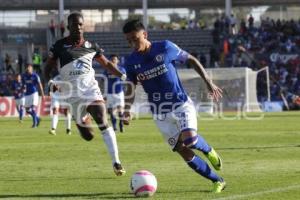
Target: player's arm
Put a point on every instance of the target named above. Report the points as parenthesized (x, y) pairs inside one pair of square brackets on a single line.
[(129, 99), (214, 90), (51, 63), (109, 66), (40, 87)]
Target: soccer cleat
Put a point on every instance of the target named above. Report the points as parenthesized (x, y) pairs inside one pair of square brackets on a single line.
[(214, 159), (118, 169), (219, 186), (20, 121), (68, 131), (52, 132)]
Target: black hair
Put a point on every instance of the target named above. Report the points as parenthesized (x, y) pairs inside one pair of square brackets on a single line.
[(133, 25), (114, 55), (74, 15)]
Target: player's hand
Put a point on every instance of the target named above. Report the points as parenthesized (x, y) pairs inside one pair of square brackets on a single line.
[(214, 91), (126, 117)]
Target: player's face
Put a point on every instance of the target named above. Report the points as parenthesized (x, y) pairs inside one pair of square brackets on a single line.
[(29, 69), (18, 78), (76, 26), (137, 40), (115, 60)]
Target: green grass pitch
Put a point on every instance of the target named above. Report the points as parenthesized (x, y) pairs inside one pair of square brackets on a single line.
[(261, 161)]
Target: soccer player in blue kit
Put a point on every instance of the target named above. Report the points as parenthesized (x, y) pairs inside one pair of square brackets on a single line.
[(152, 64), (115, 95), (18, 89), (31, 82)]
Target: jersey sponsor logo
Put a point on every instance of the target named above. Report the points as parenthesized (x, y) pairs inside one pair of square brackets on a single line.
[(152, 73), (159, 58)]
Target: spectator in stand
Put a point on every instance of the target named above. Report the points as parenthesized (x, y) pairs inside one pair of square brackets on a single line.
[(232, 21), (20, 62), (52, 28), (8, 64), (250, 21), (37, 61), (62, 28)]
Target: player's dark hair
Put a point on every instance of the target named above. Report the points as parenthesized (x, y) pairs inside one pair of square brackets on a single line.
[(74, 15), (133, 25), (113, 55)]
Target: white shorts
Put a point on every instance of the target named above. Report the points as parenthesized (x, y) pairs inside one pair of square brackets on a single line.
[(172, 124), (78, 105), (58, 103), (32, 100), (115, 100), (20, 101)]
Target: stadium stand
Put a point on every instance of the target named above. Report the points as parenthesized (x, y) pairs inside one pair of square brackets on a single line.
[(192, 40)]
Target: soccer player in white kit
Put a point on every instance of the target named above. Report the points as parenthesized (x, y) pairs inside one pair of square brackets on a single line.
[(56, 104), (82, 91), (152, 64)]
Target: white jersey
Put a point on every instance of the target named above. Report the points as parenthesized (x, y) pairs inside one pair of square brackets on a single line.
[(78, 85)]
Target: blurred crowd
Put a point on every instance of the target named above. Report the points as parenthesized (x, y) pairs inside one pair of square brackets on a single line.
[(274, 43)]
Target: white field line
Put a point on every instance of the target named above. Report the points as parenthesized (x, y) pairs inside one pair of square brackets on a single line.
[(241, 196)]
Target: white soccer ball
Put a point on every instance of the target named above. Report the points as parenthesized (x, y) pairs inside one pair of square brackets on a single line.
[(143, 184)]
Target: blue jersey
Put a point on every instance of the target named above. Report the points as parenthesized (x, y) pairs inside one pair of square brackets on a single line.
[(114, 83), (18, 89), (156, 72), (31, 82)]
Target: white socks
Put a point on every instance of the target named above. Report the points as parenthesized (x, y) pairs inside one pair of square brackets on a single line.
[(68, 121), (110, 140), (54, 121)]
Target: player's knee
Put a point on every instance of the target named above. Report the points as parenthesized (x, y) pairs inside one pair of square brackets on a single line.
[(86, 132), (103, 127), (190, 138), (186, 153)]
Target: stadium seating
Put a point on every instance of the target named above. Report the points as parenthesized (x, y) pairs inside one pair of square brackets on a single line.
[(191, 40)]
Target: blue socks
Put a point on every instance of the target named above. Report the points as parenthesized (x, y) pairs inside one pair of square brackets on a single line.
[(21, 112), (34, 116), (202, 168), (197, 142), (113, 121), (121, 122)]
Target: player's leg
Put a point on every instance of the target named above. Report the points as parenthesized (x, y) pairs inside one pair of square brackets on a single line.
[(54, 120), (98, 111), (85, 128), (113, 118), (186, 119), (31, 109), (21, 112), (20, 109), (67, 120), (120, 109), (200, 166), (193, 140), (34, 106)]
